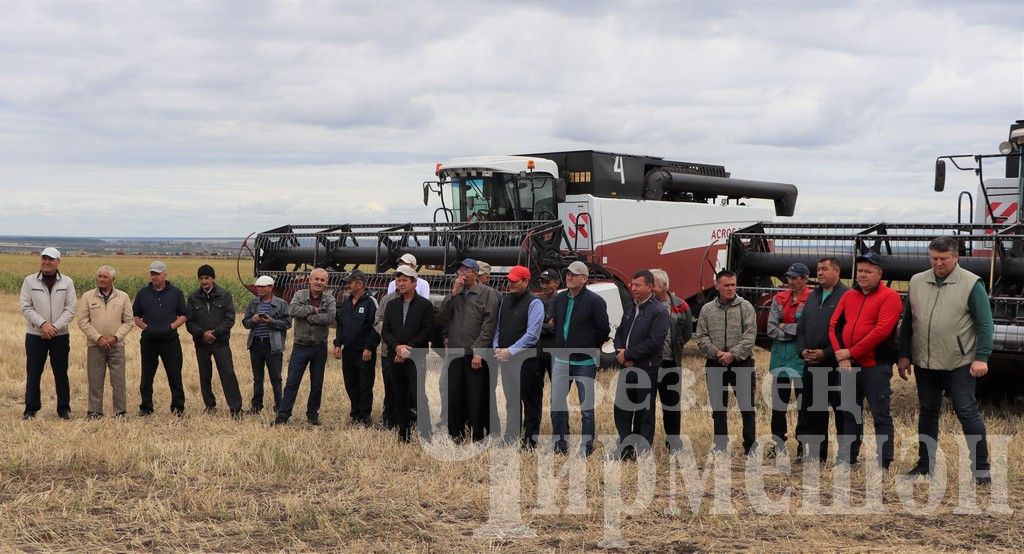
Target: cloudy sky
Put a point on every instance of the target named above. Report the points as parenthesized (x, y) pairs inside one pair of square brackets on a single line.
[(219, 119)]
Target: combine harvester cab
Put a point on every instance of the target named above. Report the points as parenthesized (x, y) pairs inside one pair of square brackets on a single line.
[(618, 213), (993, 249)]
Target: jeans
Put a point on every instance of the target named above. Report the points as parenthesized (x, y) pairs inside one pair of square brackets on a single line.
[(315, 356), (36, 351), (167, 350), (739, 376), (260, 355), (562, 375), (784, 389), (873, 385), (820, 395), (959, 385), (221, 354)]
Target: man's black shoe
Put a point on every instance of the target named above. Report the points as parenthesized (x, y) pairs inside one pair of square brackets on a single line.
[(179, 413), (144, 412), (210, 410), (64, 415), (314, 421), (28, 415), (983, 480), (121, 415), (279, 421), (93, 415), (561, 447), (255, 410), (918, 470), (236, 414)]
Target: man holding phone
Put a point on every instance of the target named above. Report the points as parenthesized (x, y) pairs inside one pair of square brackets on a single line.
[(267, 319)]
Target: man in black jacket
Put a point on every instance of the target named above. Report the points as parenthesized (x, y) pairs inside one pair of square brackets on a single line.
[(639, 342), (581, 327), (821, 376), (407, 325), (356, 346), (211, 315)]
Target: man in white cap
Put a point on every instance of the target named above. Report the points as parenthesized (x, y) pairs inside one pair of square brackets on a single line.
[(422, 287), (581, 323), (406, 326), (48, 303), (159, 310), (485, 273), (267, 319)]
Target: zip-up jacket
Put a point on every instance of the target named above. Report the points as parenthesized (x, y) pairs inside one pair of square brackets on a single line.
[(812, 329), (867, 324), (355, 324), (210, 311), (471, 316), (587, 326), (112, 318), (642, 333), (311, 324), (40, 305), (729, 327), (279, 324)]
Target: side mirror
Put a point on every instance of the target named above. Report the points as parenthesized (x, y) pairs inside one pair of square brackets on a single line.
[(940, 175), (559, 190), (426, 194)]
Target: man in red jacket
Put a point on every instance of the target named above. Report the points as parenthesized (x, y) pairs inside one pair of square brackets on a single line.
[(861, 331)]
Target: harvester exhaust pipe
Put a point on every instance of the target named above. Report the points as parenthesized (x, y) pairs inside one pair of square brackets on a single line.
[(783, 194)]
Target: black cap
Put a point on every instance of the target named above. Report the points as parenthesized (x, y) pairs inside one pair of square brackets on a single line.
[(871, 258), (549, 275), (206, 270), (355, 275)]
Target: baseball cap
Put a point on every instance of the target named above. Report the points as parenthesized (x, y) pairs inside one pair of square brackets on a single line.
[(355, 275), (407, 259), (518, 273), (798, 270), (407, 271), (264, 281), (485, 268), (157, 267), (549, 275), (471, 264), (50, 252), (579, 268), (871, 258)]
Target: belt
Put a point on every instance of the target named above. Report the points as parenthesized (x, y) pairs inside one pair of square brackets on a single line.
[(262, 339)]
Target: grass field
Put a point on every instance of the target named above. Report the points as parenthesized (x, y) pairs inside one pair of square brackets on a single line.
[(209, 483)]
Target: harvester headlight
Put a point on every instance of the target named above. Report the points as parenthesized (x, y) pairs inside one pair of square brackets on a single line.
[(1005, 148)]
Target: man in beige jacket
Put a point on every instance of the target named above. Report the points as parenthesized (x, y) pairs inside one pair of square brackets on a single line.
[(105, 317)]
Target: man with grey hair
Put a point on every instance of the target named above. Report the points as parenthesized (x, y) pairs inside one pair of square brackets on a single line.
[(105, 318), (947, 333), (48, 303), (669, 376), (485, 273), (312, 310)]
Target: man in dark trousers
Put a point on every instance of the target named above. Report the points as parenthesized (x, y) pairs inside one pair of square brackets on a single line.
[(821, 376), (211, 315), (639, 344), (680, 329), (48, 304), (159, 310), (520, 316), (861, 331), (356, 346), (549, 282), (267, 319), (407, 325), (726, 330), (947, 333), (471, 314), (581, 324), (312, 310)]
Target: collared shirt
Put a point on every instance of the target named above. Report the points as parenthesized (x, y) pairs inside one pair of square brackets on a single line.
[(422, 288), (534, 321)]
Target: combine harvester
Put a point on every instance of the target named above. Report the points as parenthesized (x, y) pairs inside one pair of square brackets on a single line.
[(989, 226)]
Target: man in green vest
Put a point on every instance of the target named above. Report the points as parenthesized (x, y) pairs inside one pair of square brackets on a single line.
[(947, 334)]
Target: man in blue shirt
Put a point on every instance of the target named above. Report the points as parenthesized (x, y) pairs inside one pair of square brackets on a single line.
[(520, 317)]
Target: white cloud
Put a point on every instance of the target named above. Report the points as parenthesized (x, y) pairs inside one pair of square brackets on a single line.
[(207, 118)]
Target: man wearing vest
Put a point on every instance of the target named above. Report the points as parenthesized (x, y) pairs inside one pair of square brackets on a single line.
[(861, 331), (581, 327), (787, 367), (520, 316), (947, 334), (48, 303), (726, 330), (639, 344), (821, 374)]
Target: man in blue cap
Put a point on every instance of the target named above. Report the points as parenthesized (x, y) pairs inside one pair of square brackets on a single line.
[(471, 315), (787, 367)]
